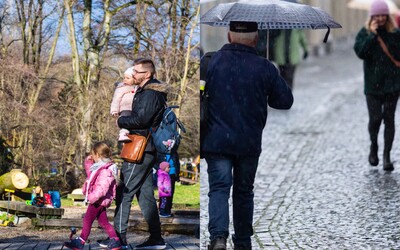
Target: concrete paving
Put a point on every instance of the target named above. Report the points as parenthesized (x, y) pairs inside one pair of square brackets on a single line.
[(314, 187)]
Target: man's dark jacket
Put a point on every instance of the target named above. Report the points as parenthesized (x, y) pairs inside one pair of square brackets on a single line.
[(241, 85), (147, 110)]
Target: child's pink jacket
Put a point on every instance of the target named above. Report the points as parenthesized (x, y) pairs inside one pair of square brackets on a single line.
[(163, 183), (123, 98), (100, 185)]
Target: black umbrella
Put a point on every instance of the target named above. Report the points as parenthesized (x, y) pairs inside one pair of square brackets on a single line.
[(270, 14)]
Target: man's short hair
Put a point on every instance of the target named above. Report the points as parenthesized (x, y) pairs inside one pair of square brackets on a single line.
[(147, 63), (245, 38), (243, 27)]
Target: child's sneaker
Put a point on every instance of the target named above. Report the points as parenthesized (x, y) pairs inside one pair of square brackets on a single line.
[(104, 243), (75, 244), (114, 244), (123, 136)]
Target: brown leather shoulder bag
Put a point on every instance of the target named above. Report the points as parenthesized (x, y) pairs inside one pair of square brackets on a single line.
[(133, 151)]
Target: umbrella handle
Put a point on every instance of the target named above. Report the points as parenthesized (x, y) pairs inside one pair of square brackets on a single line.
[(327, 34)]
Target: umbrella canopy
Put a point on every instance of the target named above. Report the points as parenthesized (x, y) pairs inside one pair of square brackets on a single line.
[(270, 14), (366, 5)]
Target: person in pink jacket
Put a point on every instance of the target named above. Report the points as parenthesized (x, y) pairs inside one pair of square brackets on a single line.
[(164, 189), (99, 190), (121, 103)]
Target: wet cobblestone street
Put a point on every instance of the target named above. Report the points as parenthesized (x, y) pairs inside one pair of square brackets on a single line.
[(314, 187)]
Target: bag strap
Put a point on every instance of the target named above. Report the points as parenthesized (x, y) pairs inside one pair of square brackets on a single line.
[(386, 51)]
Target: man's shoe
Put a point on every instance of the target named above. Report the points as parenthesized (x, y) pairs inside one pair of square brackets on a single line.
[(114, 244), (75, 244), (387, 163), (373, 155), (218, 244), (104, 243), (152, 243), (242, 247)]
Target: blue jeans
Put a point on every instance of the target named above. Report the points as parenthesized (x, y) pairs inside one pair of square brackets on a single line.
[(223, 171)]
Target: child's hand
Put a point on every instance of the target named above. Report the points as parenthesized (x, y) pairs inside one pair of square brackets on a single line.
[(114, 113)]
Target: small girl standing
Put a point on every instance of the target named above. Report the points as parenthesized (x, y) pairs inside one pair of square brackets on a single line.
[(99, 189), (164, 189), (121, 103)]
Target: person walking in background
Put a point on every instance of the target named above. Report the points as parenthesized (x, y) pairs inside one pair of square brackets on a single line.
[(121, 103), (99, 190), (381, 77), (287, 49), (164, 189), (241, 85)]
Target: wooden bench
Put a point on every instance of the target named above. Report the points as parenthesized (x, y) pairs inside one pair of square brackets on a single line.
[(31, 211)]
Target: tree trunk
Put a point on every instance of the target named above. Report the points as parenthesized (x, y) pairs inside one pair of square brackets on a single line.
[(82, 128), (183, 85), (14, 179), (35, 96)]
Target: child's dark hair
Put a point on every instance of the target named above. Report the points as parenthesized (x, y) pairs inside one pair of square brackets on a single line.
[(102, 149)]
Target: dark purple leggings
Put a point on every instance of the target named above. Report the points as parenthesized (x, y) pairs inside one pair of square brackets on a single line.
[(95, 211)]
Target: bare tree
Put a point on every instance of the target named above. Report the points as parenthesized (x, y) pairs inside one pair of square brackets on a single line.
[(87, 67)]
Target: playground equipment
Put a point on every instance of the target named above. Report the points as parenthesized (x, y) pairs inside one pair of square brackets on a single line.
[(7, 220)]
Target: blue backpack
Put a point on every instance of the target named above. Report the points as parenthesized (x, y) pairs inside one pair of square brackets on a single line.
[(55, 198), (167, 137)]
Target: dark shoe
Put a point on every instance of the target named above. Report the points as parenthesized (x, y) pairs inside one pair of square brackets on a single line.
[(114, 244), (218, 244), (75, 244), (122, 239), (241, 247), (373, 155), (104, 243), (387, 164), (152, 243)]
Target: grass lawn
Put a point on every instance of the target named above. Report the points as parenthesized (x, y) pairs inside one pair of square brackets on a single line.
[(185, 197)]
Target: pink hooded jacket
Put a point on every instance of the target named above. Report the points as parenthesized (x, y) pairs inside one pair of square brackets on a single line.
[(100, 185), (163, 183), (123, 98)]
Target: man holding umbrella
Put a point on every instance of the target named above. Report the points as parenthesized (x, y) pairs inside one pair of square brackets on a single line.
[(240, 86)]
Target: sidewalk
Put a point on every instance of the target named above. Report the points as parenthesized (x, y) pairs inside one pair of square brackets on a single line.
[(314, 187)]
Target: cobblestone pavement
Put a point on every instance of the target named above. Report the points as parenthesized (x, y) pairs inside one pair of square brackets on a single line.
[(314, 187)]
